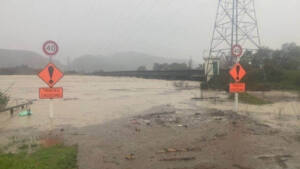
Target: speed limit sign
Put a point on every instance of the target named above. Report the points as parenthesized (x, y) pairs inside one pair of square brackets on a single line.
[(237, 50), (50, 48)]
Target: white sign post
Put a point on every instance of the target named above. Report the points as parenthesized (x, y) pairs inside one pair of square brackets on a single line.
[(237, 51), (50, 48)]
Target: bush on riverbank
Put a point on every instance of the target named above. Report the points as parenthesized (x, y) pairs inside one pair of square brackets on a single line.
[(3, 100)]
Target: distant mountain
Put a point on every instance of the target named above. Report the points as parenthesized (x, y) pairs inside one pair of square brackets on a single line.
[(15, 58), (117, 62), (87, 63)]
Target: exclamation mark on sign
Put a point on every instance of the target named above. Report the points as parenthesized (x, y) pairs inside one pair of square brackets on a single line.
[(50, 70), (238, 68)]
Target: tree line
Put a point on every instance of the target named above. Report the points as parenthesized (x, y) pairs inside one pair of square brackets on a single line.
[(267, 69)]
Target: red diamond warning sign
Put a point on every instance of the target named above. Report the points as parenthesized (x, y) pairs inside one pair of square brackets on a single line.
[(237, 72), (51, 75)]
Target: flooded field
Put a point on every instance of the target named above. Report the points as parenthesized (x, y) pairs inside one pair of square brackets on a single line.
[(90, 100), (132, 123)]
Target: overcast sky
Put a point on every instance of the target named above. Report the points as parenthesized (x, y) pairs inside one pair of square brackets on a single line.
[(170, 28)]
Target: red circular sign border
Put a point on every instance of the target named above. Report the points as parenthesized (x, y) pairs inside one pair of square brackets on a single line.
[(46, 52), (240, 47)]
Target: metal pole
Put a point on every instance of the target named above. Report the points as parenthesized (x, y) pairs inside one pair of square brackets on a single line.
[(236, 102), (234, 26), (51, 114), (236, 95), (236, 21), (258, 33), (211, 43)]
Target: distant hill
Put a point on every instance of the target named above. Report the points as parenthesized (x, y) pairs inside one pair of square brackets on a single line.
[(24, 60), (15, 58), (117, 62), (19, 70)]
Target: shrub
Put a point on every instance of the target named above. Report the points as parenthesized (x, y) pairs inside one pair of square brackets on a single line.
[(3, 100)]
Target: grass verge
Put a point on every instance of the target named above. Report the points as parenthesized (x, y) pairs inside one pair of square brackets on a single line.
[(250, 99), (56, 157)]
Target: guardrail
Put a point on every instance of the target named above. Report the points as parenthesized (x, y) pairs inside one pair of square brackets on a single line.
[(194, 75), (22, 106)]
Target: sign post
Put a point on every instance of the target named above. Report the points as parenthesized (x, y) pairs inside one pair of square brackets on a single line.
[(51, 75), (237, 72)]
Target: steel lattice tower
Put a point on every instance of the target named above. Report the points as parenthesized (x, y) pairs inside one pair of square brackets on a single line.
[(236, 23)]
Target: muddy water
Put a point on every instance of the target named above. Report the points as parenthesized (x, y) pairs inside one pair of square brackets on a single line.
[(101, 114), (89, 100)]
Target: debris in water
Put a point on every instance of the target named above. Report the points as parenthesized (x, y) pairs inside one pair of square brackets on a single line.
[(172, 150), (25, 113), (178, 159), (131, 156)]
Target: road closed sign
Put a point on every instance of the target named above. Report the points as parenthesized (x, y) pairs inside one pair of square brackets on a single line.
[(237, 87), (51, 93)]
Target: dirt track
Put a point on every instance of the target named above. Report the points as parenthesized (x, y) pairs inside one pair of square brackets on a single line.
[(133, 123)]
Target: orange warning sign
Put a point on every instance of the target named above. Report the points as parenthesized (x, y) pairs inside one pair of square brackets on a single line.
[(51, 74), (237, 87), (237, 72), (51, 93)]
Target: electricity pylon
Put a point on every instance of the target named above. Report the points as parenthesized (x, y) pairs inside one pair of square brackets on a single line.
[(236, 23)]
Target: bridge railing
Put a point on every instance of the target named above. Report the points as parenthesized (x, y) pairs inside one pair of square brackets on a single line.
[(194, 75)]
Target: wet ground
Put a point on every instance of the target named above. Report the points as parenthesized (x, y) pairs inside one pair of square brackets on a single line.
[(131, 123)]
